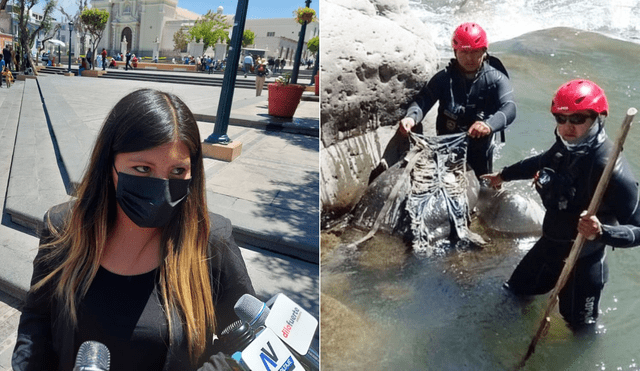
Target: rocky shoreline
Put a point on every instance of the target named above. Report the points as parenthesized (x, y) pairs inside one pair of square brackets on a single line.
[(373, 66)]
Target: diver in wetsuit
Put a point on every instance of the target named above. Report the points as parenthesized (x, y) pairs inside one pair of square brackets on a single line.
[(566, 177), (475, 96)]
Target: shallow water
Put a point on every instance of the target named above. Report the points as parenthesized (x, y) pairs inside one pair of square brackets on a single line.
[(449, 311)]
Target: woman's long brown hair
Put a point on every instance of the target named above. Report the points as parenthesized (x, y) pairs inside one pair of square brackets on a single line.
[(142, 120)]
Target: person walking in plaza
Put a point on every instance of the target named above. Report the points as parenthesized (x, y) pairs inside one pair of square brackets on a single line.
[(475, 96), (277, 65), (248, 64), (283, 63), (90, 59), (136, 261), (261, 75), (566, 177), (104, 59), (271, 63), (128, 62), (6, 54)]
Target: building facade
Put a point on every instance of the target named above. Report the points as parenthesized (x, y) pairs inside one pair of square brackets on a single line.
[(137, 25), (146, 26)]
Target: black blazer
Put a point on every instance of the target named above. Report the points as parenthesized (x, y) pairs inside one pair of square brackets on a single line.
[(46, 340)]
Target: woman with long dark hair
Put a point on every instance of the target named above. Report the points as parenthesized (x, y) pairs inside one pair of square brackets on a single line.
[(136, 262)]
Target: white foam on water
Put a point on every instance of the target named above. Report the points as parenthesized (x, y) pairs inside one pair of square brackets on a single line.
[(507, 19)]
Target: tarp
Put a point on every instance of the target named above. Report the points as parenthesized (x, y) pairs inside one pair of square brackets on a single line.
[(424, 197), (437, 203)]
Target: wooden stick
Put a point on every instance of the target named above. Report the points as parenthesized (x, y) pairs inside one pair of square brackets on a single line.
[(579, 241)]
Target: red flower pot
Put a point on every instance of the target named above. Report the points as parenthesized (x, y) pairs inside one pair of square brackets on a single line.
[(284, 100)]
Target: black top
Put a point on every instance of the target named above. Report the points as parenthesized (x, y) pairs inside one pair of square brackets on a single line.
[(125, 314), (567, 181), (47, 341), (487, 96)]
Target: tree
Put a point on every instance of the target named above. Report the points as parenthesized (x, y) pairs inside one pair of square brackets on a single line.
[(313, 44), (78, 26), (95, 21), (181, 39), (247, 38), (27, 34), (48, 37), (211, 28)]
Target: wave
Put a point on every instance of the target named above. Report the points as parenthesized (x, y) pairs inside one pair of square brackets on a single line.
[(506, 19)]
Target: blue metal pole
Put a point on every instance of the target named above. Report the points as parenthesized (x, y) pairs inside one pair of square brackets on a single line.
[(296, 60), (70, 30), (219, 134), (316, 65), (58, 47)]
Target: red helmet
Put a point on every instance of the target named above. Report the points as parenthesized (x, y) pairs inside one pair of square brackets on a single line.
[(578, 95), (469, 36)]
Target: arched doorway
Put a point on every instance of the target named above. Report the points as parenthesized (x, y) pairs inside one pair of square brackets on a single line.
[(126, 33)]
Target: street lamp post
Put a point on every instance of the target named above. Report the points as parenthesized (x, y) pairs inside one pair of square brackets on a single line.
[(296, 60), (219, 135), (59, 46), (70, 30)]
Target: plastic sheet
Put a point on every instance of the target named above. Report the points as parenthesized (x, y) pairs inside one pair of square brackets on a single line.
[(438, 203)]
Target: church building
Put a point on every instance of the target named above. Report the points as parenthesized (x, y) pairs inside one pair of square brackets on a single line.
[(148, 25), (141, 24)]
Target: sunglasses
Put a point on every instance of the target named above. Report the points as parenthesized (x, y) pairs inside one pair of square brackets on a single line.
[(576, 119)]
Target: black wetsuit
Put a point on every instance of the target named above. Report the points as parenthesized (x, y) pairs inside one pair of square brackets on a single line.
[(486, 96), (566, 182)]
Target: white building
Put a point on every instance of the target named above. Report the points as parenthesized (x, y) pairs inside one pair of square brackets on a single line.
[(150, 24), (279, 36)]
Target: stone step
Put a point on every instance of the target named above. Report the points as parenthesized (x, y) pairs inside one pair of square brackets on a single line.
[(74, 139), (196, 78), (9, 115), (35, 180)]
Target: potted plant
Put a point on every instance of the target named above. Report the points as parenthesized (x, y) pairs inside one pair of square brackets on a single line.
[(284, 97), (304, 14)]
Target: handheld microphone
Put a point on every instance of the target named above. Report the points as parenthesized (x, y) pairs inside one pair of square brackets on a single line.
[(292, 324), (236, 337), (251, 310), (92, 356), (251, 352)]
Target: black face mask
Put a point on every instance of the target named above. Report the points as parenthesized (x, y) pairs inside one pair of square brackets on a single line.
[(150, 202)]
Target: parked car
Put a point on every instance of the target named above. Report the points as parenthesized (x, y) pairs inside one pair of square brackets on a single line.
[(45, 57)]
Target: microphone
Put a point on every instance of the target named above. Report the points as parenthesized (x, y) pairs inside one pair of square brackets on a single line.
[(92, 356), (251, 352), (251, 310), (292, 324), (236, 337)]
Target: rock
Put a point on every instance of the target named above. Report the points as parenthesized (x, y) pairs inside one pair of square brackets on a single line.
[(396, 220), (509, 213), (350, 341), (372, 67)]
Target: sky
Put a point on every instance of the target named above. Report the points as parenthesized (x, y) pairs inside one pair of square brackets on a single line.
[(258, 9)]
